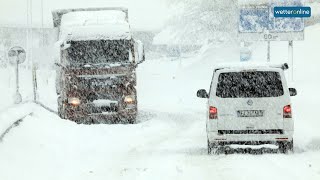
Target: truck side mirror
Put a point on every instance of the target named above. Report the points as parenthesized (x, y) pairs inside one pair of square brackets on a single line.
[(60, 65), (65, 45), (202, 93), (139, 52), (292, 91)]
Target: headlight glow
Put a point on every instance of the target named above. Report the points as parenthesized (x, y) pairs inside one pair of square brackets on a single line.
[(129, 99), (74, 101)]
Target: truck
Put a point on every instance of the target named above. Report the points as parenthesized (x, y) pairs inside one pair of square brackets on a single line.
[(96, 65)]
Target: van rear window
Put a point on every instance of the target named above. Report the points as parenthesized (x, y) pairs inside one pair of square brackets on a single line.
[(251, 84)]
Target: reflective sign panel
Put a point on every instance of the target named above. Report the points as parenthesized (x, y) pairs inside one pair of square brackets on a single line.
[(257, 22)]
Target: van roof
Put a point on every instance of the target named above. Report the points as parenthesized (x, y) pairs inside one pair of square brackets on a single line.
[(246, 65)]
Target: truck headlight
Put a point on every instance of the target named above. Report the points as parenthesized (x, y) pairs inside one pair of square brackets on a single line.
[(74, 101), (129, 99)]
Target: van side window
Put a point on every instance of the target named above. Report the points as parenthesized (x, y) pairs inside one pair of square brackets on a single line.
[(249, 84)]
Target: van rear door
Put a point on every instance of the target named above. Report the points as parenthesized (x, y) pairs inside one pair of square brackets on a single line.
[(250, 100)]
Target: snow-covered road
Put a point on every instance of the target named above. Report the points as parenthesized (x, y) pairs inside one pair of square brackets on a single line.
[(162, 146), (169, 142)]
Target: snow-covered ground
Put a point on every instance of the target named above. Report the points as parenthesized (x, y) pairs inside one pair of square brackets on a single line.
[(169, 142)]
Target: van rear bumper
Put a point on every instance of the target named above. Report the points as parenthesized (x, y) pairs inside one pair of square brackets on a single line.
[(216, 137)]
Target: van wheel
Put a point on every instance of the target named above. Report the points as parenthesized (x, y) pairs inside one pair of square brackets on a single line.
[(209, 147), (285, 147), (212, 148)]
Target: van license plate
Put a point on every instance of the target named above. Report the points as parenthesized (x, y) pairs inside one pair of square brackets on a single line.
[(250, 113)]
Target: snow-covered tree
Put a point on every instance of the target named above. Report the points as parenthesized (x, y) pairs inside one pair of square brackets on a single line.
[(198, 22)]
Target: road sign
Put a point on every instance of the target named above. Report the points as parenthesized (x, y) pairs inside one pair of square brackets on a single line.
[(16, 55), (257, 22)]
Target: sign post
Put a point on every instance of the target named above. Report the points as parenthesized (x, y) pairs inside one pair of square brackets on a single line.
[(268, 54), (290, 55), (17, 55), (257, 22)]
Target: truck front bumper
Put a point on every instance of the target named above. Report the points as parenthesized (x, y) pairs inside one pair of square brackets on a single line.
[(84, 114)]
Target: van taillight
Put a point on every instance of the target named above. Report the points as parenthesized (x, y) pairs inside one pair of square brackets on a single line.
[(213, 113), (287, 112)]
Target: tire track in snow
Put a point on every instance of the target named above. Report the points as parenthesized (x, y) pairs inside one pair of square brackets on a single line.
[(143, 159)]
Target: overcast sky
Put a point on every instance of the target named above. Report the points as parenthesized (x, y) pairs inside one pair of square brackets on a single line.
[(143, 14)]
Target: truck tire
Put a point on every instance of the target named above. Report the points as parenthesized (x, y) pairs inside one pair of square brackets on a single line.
[(132, 121), (61, 109)]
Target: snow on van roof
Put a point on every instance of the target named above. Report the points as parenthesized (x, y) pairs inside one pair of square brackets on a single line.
[(250, 65), (94, 25)]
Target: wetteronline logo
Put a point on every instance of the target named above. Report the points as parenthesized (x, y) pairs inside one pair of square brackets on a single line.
[(292, 12)]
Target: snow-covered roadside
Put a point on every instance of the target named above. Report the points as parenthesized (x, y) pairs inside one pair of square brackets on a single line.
[(14, 113), (8, 86), (170, 140), (162, 146)]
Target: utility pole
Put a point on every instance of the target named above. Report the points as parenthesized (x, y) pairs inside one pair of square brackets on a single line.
[(290, 55), (30, 49), (42, 24)]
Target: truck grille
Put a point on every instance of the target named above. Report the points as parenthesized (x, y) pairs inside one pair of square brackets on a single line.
[(103, 109), (267, 131)]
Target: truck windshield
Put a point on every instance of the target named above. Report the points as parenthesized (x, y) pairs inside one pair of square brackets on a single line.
[(249, 84), (98, 52)]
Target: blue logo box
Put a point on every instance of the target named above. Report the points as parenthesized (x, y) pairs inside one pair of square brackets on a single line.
[(292, 12)]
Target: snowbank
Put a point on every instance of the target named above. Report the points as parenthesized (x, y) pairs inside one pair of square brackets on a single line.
[(14, 113)]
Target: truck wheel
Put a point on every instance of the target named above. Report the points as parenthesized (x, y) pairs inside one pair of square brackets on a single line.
[(131, 119), (61, 109)]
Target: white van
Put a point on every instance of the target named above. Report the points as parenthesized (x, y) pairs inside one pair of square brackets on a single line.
[(249, 107)]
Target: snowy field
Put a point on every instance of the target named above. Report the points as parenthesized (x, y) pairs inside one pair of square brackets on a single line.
[(169, 142)]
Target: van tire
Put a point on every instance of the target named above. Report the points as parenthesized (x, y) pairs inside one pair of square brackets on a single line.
[(209, 147), (212, 148), (285, 147)]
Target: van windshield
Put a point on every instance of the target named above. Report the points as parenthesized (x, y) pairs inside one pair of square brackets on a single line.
[(251, 84)]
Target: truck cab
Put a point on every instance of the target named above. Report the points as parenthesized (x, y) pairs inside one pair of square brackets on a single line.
[(96, 65)]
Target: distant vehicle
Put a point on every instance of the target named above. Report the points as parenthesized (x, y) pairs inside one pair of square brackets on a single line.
[(249, 106), (96, 75)]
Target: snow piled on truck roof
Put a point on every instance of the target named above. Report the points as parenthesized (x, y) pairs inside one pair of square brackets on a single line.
[(94, 25)]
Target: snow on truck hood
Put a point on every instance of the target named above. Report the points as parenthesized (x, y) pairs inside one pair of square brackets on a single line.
[(94, 25)]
